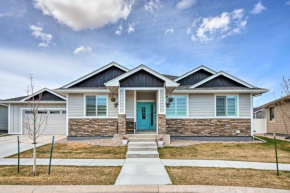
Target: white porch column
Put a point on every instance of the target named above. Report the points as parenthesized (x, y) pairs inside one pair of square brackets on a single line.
[(122, 111)]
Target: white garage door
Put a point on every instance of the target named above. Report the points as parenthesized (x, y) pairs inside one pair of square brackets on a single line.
[(56, 121)]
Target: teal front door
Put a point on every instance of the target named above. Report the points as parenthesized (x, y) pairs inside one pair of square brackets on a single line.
[(145, 115)]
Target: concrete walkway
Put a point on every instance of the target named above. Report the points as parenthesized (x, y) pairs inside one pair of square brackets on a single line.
[(135, 162), (64, 162), (225, 164), (8, 144), (143, 171), (136, 189)]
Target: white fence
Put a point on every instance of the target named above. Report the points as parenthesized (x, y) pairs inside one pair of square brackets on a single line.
[(260, 125)]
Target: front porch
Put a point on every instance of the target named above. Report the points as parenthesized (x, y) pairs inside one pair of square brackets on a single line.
[(141, 111)]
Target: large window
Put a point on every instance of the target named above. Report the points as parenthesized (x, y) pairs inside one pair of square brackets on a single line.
[(226, 106), (272, 114), (102, 106), (96, 106), (178, 107)]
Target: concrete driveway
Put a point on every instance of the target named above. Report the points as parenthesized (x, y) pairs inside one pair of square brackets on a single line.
[(8, 145)]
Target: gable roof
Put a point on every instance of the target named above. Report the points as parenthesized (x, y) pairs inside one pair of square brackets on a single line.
[(115, 81), (274, 102), (41, 91), (221, 73), (202, 67), (95, 72)]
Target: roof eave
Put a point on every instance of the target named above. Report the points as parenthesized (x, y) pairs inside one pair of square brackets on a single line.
[(115, 81), (94, 73), (258, 91), (202, 67)]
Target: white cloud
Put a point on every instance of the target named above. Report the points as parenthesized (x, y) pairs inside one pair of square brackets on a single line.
[(80, 15), (258, 8), (82, 49), (287, 3), (152, 6), (131, 28), (37, 32), (227, 24), (18, 13), (184, 4), (169, 31), (42, 44), (118, 32)]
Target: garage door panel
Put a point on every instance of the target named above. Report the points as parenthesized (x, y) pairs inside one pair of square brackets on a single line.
[(56, 123)]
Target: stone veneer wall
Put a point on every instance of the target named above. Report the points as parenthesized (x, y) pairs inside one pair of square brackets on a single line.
[(122, 124), (161, 124), (208, 127), (92, 127)]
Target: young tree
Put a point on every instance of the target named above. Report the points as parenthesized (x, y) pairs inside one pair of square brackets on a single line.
[(284, 105), (34, 123)]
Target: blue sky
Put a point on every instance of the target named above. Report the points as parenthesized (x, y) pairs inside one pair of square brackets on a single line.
[(58, 41)]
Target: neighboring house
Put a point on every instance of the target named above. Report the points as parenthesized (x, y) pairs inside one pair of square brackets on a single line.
[(259, 113), (3, 118), (205, 104), (274, 115)]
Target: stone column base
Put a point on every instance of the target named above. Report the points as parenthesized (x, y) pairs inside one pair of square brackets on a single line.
[(122, 124)]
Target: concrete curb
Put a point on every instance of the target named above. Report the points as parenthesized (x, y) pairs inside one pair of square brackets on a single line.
[(135, 189)]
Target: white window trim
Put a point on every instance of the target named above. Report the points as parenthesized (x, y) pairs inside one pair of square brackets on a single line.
[(273, 120), (96, 116), (187, 109), (226, 95)]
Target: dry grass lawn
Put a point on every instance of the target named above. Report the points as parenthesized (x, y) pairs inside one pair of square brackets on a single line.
[(228, 177), (59, 175), (256, 152), (77, 150)]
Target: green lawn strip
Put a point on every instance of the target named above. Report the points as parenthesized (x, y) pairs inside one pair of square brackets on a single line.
[(60, 175), (77, 151), (229, 177), (256, 152)]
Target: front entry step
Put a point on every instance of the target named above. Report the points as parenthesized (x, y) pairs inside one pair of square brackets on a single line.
[(142, 144), (142, 139), (142, 150), (142, 154)]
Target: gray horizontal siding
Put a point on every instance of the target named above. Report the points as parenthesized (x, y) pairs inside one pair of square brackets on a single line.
[(112, 111), (3, 118), (201, 105), (130, 103), (75, 105), (245, 105)]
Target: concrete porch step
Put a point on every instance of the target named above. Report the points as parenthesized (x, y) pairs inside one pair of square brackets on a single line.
[(142, 139), (142, 148), (142, 154), (141, 136), (142, 144)]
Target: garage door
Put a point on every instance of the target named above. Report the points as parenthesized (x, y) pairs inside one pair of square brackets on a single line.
[(56, 121)]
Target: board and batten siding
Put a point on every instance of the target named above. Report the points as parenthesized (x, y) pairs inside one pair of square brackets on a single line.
[(15, 115), (129, 103), (75, 105), (3, 118), (201, 105), (245, 105)]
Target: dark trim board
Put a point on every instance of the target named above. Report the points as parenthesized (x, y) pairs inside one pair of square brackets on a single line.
[(85, 138), (213, 138)]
